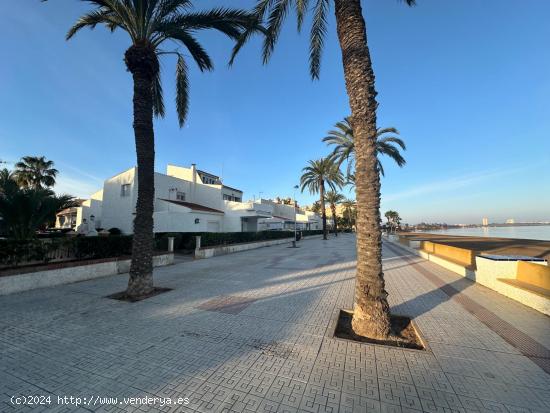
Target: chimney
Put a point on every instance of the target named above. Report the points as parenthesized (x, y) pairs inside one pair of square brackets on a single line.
[(194, 172), (194, 178)]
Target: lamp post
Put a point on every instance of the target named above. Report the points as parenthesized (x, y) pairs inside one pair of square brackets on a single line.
[(295, 223)]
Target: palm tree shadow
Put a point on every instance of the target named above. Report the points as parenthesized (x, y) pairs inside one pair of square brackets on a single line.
[(429, 301)]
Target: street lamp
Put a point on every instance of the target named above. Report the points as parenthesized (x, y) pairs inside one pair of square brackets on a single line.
[(295, 224)]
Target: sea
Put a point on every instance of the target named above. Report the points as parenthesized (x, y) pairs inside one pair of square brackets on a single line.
[(538, 232)]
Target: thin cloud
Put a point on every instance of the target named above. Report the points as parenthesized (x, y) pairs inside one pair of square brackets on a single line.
[(79, 171), (75, 187), (451, 184)]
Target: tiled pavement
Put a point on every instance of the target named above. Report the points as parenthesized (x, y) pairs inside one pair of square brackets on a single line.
[(252, 332)]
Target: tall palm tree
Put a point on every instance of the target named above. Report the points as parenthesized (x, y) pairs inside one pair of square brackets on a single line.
[(389, 218), (393, 219), (371, 316), (333, 198), (344, 148), (152, 24), (35, 172), (349, 207), (316, 176)]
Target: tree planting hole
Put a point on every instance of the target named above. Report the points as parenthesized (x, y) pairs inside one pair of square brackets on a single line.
[(403, 333)]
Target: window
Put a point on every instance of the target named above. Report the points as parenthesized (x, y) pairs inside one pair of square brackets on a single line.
[(231, 198), (125, 190), (180, 196)]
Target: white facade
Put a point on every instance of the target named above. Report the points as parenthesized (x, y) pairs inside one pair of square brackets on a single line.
[(188, 200), (284, 216)]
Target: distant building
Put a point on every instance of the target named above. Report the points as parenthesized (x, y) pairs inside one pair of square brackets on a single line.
[(510, 221), (485, 222)]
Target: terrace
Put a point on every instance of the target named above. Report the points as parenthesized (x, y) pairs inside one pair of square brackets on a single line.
[(254, 332)]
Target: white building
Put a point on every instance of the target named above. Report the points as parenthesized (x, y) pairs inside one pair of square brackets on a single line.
[(186, 200)]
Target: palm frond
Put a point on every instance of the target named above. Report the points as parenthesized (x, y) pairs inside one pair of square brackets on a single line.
[(158, 99), (274, 24), (301, 9), (383, 131), (231, 22), (394, 139), (317, 37), (94, 18), (182, 90), (200, 56), (258, 13)]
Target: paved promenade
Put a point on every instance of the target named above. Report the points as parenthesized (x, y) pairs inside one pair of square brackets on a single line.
[(252, 332)]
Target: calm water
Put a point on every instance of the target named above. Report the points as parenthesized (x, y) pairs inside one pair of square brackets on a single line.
[(541, 232)]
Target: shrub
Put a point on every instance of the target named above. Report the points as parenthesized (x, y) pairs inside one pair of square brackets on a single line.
[(36, 251), (102, 247), (13, 252), (115, 231)]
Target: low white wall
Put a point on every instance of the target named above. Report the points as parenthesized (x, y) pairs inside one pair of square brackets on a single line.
[(210, 252), (487, 273), (48, 278)]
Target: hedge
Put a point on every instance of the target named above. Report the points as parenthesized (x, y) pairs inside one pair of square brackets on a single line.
[(186, 240), (36, 251)]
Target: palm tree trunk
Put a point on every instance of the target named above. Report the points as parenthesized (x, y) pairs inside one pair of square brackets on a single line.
[(323, 208), (143, 64), (371, 315), (333, 210)]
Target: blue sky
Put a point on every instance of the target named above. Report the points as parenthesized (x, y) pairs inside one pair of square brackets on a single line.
[(466, 82)]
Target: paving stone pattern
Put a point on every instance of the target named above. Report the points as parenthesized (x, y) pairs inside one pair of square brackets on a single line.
[(253, 332)]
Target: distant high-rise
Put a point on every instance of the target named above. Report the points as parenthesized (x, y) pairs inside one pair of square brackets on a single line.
[(485, 222)]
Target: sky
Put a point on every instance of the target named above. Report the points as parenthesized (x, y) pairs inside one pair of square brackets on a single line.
[(467, 83)]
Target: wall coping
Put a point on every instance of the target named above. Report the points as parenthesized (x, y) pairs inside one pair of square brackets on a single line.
[(59, 265), (256, 242)]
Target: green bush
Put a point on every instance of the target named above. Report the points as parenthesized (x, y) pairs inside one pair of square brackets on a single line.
[(14, 252), (101, 247), (17, 252)]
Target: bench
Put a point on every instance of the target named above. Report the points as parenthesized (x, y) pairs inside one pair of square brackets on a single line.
[(531, 277)]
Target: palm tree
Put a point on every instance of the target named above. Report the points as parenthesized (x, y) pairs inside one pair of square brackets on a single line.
[(349, 207), (150, 25), (316, 207), (389, 217), (24, 210), (371, 316), (7, 181), (344, 148), (315, 176), (35, 172), (393, 219), (333, 198)]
